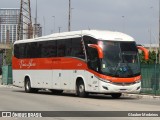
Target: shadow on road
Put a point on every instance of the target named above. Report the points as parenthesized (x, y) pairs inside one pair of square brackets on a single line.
[(90, 96)]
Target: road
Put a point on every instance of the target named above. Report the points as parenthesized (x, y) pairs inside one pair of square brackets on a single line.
[(15, 99)]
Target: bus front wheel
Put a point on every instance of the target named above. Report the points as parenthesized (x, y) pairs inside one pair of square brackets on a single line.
[(28, 88), (81, 89)]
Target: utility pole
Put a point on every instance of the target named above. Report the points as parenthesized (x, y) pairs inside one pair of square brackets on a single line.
[(35, 26), (54, 18), (44, 26), (69, 17), (59, 29)]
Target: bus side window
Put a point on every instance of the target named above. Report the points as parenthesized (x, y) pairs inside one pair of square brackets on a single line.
[(93, 60), (31, 50), (77, 48), (92, 54), (22, 50), (47, 49), (16, 51), (61, 48)]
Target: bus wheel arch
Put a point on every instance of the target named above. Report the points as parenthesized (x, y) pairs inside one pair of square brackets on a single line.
[(80, 87), (27, 85)]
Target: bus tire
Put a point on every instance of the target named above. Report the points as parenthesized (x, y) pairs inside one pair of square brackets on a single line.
[(56, 91), (116, 95), (81, 89), (28, 88)]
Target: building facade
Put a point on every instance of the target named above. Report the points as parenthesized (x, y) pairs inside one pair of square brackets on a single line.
[(8, 24)]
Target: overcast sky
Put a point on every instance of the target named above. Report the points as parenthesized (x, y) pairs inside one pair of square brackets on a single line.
[(138, 18)]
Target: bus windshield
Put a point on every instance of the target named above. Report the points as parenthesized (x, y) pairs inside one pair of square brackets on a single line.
[(120, 59)]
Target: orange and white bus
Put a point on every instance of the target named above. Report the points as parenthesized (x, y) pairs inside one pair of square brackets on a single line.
[(88, 61)]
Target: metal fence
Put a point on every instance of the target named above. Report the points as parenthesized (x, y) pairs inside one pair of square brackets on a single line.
[(150, 79)]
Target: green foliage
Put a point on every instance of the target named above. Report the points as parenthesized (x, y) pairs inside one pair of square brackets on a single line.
[(152, 57), (9, 57)]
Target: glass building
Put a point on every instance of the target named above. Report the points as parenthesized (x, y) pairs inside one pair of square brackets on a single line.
[(8, 24)]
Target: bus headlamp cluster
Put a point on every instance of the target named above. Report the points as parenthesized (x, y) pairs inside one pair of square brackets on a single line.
[(104, 80), (138, 81), (101, 79)]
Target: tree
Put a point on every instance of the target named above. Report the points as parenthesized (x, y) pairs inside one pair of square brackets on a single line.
[(152, 58), (9, 56)]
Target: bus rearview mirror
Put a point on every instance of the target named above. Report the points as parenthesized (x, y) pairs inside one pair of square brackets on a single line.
[(146, 53), (98, 48)]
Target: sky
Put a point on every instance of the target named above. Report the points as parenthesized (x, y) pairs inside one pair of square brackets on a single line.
[(137, 18)]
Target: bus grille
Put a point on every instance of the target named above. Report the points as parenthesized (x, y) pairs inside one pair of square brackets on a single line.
[(124, 84)]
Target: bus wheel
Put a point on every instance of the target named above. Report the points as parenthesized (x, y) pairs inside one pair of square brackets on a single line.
[(56, 91), (116, 95), (81, 89), (28, 88)]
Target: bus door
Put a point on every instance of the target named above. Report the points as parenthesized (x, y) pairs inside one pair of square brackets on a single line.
[(93, 65)]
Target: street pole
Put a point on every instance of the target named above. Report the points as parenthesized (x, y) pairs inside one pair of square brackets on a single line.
[(123, 20), (35, 31), (59, 29), (69, 17), (54, 18)]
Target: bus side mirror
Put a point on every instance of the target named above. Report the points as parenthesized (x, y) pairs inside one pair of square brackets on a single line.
[(98, 48), (146, 53)]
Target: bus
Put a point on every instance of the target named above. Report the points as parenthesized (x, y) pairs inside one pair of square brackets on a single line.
[(87, 62)]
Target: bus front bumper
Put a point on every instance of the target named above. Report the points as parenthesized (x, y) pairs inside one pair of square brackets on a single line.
[(119, 87)]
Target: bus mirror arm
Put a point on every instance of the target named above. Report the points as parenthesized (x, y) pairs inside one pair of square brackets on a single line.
[(98, 48), (146, 53)]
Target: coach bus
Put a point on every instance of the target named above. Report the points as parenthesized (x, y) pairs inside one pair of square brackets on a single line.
[(88, 61)]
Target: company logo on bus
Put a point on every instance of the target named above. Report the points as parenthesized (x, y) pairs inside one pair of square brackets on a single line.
[(27, 64)]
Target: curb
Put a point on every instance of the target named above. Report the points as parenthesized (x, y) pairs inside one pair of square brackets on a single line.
[(141, 96), (7, 86)]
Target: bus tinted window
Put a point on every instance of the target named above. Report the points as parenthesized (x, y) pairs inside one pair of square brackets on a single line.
[(68, 47), (64, 48), (61, 44), (77, 48), (31, 50), (54, 48), (128, 46), (47, 49), (89, 40), (16, 51), (22, 50)]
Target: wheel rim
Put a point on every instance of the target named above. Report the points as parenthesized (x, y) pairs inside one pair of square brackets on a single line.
[(27, 85), (81, 88)]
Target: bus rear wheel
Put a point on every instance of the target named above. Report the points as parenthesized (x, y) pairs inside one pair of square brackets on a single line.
[(81, 89), (116, 95), (28, 88)]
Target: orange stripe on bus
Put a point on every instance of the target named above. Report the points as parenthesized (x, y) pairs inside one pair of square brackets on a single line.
[(63, 64)]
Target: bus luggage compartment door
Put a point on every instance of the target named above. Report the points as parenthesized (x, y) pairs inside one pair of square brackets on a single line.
[(56, 73)]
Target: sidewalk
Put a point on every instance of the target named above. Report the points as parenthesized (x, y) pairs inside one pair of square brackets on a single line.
[(141, 96), (0, 79)]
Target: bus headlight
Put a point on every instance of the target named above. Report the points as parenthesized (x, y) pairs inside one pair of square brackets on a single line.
[(138, 81), (104, 80)]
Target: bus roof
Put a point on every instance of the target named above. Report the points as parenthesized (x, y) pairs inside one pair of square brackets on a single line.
[(97, 34)]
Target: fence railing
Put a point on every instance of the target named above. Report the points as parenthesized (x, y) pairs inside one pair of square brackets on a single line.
[(150, 79)]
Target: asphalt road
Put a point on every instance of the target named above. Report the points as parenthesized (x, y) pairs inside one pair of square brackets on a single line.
[(15, 99)]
